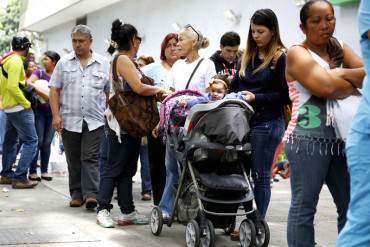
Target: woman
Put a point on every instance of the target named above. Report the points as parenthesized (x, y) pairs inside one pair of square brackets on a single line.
[(193, 72), (123, 148), (43, 119), (29, 67), (144, 60), (315, 153), (262, 76), (156, 150)]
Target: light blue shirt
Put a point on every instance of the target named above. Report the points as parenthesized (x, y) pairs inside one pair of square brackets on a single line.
[(157, 72), (82, 91), (361, 121)]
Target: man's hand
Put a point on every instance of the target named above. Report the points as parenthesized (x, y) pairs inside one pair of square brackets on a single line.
[(57, 123), (155, 131)]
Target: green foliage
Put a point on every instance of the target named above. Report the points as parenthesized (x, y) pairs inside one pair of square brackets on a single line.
[(9, 24)]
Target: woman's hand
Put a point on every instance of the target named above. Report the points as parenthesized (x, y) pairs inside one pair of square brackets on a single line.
[(162, 94), (249, 96), (155, 131)]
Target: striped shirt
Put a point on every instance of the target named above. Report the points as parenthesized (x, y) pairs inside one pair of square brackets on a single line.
[(83, 91)]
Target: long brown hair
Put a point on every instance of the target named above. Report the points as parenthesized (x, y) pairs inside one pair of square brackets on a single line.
[(267, 18)]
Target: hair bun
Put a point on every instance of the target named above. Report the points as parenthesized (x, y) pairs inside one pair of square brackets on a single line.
[(205, 42), (116, 26)]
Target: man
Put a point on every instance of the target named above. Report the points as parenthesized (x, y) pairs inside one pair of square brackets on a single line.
[(357, 228), (226, 59), (20, 121), (79, 88)]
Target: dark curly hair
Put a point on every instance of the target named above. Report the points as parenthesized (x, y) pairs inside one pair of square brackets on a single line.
[(121, 36)]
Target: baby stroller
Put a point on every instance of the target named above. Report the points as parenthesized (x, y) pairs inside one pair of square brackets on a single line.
[(211, 151)]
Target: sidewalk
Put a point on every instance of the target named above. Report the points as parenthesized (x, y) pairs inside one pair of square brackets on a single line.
[(42, 217)]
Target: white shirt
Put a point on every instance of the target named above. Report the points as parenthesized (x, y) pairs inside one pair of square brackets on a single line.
[(181, 71)]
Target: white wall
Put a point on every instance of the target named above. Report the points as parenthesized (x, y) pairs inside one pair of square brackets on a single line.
[(153, 19)]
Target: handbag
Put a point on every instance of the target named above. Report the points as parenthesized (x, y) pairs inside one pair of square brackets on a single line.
[(135, 114)]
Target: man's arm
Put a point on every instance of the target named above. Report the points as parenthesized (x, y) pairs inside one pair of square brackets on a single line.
[(54, 104)]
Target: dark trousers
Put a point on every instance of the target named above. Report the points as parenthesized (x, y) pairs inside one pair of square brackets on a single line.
[(119, 170), (157, 153), (82, 154)]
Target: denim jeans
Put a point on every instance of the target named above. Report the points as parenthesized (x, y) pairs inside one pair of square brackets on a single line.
[(264, 138), (120, 168), (2, 129), (19, 125), (311, 167), (357, 228), (103, 158), (172, 180), (146, 182), (45, 133)]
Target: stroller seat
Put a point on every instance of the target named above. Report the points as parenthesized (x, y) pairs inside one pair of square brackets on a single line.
[(234, 182)]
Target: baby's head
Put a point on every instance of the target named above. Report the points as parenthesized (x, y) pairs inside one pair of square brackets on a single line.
[(218, 86)]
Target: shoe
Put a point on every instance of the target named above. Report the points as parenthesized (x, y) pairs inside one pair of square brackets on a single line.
[(37, 178), (77, 202), (46, 178), (23, 184), (5, 180), (146, 197), (104, 219), (235, 235), (133, 218), (91, 203)]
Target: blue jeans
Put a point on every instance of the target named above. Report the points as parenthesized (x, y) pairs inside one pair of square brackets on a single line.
[(146, 182), (311, 167), (2, 129), (45, 133), (19, 124), (119, 170), (356, 231), (104, 147), (264, 138), (172, 180)]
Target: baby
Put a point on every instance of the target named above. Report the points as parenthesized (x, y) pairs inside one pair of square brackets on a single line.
[(218, 87)]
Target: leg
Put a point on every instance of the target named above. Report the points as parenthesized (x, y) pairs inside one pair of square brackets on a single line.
[(46, 144), (308, 174), (157, 153), (90, 147), (40, 126), (264, 140), (112, 170), (172, 179), (130, 148), (356, 231), (72, 145), (24, 123), (146, 183), (9, 149), (104, 147), (2, 129)]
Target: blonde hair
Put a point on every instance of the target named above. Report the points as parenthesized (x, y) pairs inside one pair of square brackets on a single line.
[(274, 49), (202, 41)]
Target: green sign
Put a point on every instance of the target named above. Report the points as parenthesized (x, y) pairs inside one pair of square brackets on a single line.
[(344, 2)]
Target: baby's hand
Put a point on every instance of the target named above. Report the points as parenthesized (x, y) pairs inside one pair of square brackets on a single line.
[(182, 103)]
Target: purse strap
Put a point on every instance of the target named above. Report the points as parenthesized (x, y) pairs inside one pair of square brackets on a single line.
[(192, 74), (116, 80)]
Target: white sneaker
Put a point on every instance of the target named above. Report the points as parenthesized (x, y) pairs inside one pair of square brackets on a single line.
[(133, 218), (104, 219)]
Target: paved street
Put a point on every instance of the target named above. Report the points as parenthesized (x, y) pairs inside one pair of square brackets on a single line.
[(42, 217)]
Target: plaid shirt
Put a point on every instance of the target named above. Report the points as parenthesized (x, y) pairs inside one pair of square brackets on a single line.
[(83, 91)]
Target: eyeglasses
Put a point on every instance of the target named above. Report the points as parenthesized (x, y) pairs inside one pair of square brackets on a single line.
[(192, 28)]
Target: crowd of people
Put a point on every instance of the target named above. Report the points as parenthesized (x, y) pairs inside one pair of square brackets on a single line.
[(317, 78)]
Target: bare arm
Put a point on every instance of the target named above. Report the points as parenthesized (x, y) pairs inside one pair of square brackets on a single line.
[(353, 67), (127, 70), (320, 82), (54, 104)]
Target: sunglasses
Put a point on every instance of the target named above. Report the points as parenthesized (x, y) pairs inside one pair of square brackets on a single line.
[(139, 38), (192, 28)]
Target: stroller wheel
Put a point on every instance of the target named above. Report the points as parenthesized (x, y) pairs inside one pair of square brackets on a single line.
[(247, 233), (192, 234), (262, 234), (208, 238), (228, 230), (156, 221)]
